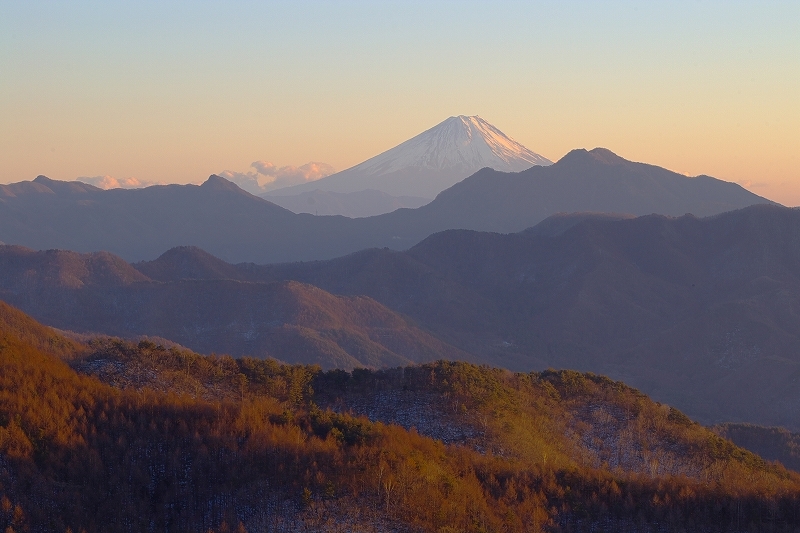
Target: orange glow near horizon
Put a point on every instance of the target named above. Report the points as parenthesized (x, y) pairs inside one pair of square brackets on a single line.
[(172, 94)]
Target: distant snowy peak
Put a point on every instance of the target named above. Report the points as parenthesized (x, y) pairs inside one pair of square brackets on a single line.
[(431, 162), (459, 143)]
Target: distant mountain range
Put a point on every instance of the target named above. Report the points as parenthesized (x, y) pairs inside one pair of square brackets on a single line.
[(366, 203), (236, 226), (431, 162), (699, 313), (210, 307)]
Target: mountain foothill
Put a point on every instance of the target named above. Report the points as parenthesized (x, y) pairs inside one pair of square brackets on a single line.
[(464, 365), (110, 435)]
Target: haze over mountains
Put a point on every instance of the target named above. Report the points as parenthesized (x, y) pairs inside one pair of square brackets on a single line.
[(236, 226), (700, 313), (212, 308)]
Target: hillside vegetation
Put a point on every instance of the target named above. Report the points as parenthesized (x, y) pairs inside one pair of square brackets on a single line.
[(699, 313), (182, 442)]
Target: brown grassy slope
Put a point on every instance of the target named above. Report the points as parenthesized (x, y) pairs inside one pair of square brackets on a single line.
[(564, 418), (702, 314), (79, 454)]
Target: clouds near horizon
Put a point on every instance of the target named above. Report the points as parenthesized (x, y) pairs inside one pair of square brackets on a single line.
[(266, 176), (110, 182)]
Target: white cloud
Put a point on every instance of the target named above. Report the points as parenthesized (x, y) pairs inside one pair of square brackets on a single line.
[(748, 184), (268, 177), (263, 177), (246, 180), (110, 182), (264, 167)]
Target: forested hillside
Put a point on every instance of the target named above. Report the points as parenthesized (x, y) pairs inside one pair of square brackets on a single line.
[(143, 438)]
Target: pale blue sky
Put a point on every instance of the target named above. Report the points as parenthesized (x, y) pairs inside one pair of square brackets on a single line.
[(173, 91)]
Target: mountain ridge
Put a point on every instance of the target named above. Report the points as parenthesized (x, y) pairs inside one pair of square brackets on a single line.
[(614, 295), (696, 312), (199, 301), (140, 224)]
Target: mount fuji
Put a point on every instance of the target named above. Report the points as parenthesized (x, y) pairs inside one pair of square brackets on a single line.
[(429, 163)]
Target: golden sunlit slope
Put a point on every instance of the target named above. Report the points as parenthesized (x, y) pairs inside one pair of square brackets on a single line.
[(22, 327), (698, 313), (583, 450), (267, 454)]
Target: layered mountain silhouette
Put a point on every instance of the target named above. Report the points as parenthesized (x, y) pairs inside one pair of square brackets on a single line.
[(236, 226), (431, 162), (700, 313), (208, 307)]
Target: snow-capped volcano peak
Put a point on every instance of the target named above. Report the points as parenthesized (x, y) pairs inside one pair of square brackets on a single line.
[(432, 161), (458, 143)]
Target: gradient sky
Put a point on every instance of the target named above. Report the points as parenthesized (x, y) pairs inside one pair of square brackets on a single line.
[(174, 91)]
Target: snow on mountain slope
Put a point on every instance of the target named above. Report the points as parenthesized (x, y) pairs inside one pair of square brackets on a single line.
[(432, 161), (470, 143)]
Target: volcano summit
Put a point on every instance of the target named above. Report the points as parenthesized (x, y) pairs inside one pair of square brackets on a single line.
[(431, 162)]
